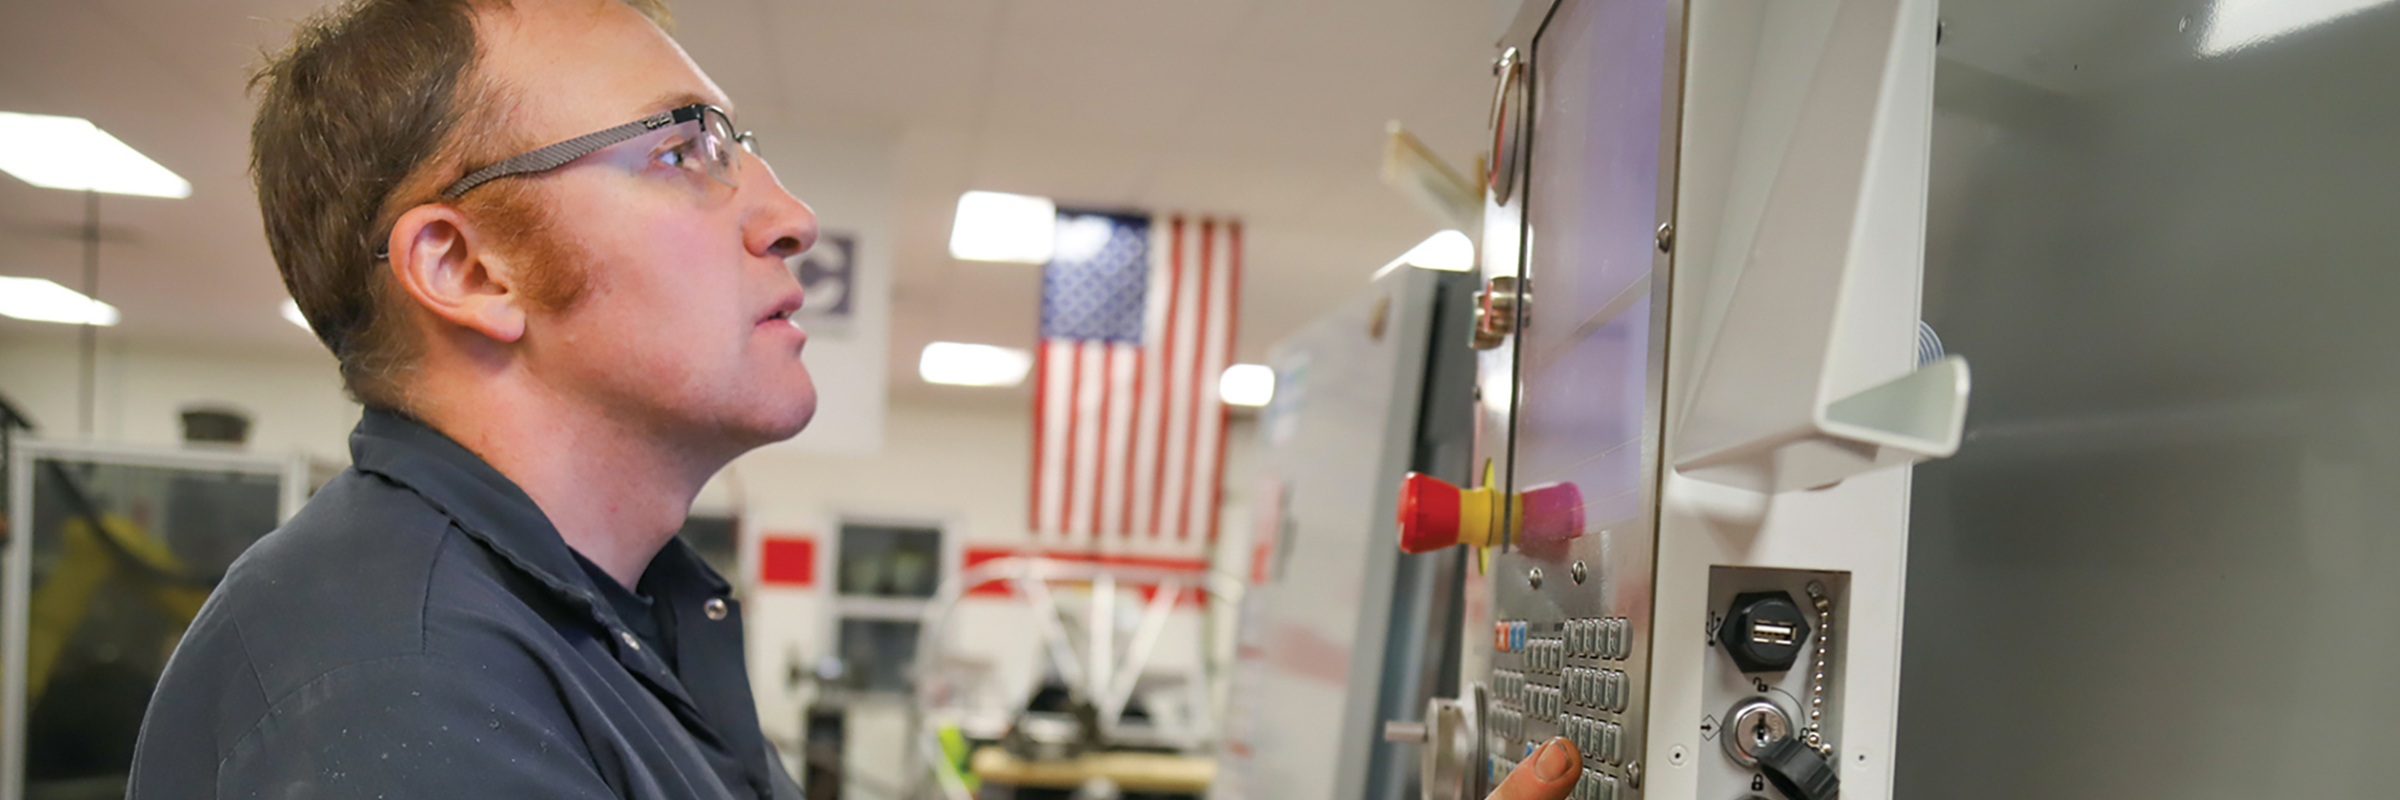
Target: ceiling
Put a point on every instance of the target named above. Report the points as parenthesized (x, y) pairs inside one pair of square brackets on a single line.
[(1270, 110)]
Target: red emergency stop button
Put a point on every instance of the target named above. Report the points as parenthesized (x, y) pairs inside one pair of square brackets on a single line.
[(1435, 514), (1428, 513)]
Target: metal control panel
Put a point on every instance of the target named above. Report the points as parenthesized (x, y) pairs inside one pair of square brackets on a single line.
[(1700, 386), (1571, 587)]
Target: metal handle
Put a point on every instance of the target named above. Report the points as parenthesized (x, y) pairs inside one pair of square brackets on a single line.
[(1508, 125)]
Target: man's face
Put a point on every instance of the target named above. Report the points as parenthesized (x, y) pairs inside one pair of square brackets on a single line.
[(681, 325)]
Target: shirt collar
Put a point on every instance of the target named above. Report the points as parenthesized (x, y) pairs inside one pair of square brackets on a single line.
[(495, 510), (484, 503)]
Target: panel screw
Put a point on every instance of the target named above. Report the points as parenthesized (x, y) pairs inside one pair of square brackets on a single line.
[(1534, 576), (1666, 237), (1633, 774), (1578, 572)]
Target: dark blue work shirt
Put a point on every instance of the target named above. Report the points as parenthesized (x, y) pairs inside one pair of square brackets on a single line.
[(420, 630)]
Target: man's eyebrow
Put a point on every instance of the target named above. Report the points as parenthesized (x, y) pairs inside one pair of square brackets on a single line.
[(680, 99)]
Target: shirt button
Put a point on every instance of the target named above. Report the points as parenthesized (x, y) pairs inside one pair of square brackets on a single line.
[(629, 640), (714, 608)]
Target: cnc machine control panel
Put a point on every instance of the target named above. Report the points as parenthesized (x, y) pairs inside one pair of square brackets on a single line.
[(1698, 371), (1569, 680)]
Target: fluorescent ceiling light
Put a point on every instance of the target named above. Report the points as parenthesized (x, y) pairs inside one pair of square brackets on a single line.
[(1246, 385), (291, 313), (959, 364), (2236, 24), (72, 153), (1448, 251), (43, 301), (991, 226), (1082, 237)]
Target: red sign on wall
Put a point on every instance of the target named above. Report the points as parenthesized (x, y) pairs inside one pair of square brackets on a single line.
[(787, 560)]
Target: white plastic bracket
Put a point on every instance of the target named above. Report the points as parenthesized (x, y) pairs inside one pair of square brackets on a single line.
[(1807, 379)]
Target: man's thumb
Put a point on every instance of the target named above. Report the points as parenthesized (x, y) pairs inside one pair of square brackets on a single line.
[(1548, 774)]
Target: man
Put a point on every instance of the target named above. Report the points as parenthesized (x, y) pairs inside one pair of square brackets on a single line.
[(556, 346), (554, 274)]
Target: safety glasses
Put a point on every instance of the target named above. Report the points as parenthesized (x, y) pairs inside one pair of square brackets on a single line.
[(712, 148), (708, 145)]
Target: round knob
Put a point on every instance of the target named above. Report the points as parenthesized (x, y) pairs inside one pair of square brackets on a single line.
[(1428, 513)]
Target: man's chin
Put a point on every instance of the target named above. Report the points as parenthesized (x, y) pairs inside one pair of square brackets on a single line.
[(798, 424), (785, 422)]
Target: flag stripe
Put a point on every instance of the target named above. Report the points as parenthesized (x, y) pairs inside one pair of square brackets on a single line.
[(1168, 340), (1057, 432), (1191, 432), (1133, 426), (1130, 371), (1208, 420), (1100, 457), (1066, 505), (1094, 453), (1233, 327), (1041, 412)]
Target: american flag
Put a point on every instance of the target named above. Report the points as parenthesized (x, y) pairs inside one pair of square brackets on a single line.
[(1137, 323)]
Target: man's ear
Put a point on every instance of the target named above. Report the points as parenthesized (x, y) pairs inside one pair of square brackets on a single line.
[(453, 271)]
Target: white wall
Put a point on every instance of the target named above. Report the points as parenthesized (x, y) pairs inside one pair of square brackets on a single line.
[(295, 399)]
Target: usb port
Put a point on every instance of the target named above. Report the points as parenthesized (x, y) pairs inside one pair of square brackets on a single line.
[(1762, 631)]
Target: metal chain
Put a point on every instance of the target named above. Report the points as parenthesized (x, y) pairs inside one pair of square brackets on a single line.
[(1815, 736)]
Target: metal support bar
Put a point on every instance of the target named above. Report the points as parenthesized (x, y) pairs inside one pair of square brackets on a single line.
[(1137, 657)]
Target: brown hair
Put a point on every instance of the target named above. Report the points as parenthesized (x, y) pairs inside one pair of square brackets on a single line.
[(372, 109)]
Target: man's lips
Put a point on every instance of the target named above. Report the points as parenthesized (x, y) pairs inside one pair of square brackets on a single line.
[(783, 309), (779, 321)]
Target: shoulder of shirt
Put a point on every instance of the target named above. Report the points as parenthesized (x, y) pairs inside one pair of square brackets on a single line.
[(367, 571)]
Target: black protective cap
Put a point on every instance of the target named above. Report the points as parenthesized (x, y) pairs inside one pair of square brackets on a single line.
[(1798, 771)]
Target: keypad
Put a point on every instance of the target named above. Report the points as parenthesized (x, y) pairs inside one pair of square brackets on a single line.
[(1595, 785), (1510, 637), (1603, 638), (1606, 689), (1562, 676), (1508, 723), (1598, 740), (1607, 639)]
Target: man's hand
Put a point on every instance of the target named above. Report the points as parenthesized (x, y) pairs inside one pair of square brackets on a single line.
[(1548, 774)]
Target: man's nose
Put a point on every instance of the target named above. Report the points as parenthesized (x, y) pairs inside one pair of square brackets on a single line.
[(778, 224)]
